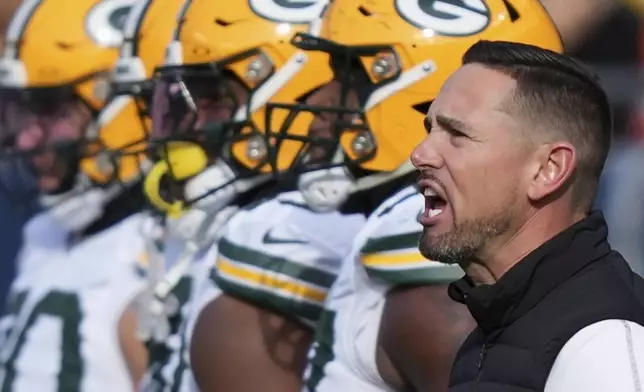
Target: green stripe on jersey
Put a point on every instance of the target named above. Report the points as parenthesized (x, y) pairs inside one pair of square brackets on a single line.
[(322, 350), (275, 264), (391, 243), (417, 276)]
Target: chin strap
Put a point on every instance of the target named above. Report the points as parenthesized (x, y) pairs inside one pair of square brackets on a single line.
[(220, 184), (207, 187), (326, 190)]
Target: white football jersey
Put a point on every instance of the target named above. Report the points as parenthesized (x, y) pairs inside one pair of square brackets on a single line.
[(169, 363), (61, 331), (282, 255), (385, 253), (204, 291)]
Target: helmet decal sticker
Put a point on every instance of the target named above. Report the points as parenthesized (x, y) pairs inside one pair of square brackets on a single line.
[(288, 11), (446, 17), (106, 21)]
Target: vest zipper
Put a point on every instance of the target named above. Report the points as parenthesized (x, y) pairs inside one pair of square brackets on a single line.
[(480, 364)]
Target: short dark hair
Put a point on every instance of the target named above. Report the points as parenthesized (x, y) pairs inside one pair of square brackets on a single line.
[(558, 92)]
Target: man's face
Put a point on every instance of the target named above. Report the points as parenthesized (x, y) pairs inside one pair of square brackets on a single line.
[(324, 122), (218, 102), (471, 166), (188, 108), (182, 108), (42, 130)]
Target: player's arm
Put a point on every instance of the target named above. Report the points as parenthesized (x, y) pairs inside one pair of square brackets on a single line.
[(421, 332), (240, 347), (128, 282), (258, 326), (421, 327), (133, 349), (275, 278)]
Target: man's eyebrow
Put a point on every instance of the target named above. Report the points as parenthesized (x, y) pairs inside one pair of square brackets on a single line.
[(452, 123)]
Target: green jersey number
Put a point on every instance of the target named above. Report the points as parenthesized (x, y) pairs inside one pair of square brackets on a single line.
[(64, 306), (322, 349)]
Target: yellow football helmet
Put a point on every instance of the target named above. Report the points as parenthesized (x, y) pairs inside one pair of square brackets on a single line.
[(226, 62), (395, 55), (54, 81), (147, 32)]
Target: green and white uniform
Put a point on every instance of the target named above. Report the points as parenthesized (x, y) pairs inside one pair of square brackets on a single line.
[(61, 330), (281, 255), (385, 254), (182, 293)]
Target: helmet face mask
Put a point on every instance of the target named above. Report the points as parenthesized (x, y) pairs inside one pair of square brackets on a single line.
[(201, 105), (53, 90), (225, 64), (338, 110), (45, 130), (195, 104), (319, 145)]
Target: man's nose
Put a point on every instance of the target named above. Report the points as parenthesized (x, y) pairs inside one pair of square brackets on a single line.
[(426, 155), (31, 137)]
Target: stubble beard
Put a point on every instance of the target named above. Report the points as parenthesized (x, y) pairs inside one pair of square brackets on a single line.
[(461, 244)]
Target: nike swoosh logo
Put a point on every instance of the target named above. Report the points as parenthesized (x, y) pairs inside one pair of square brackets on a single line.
[(269, 239)]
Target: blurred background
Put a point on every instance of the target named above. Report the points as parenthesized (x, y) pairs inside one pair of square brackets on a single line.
[(607, 34)]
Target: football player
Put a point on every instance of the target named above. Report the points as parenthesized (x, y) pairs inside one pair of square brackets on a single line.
[(178, 242), (224, 63), (388, 324), (68, 326), (148, 30), (234, 59)]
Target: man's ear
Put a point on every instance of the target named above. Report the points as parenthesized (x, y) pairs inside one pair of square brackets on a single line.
[(554, 165)]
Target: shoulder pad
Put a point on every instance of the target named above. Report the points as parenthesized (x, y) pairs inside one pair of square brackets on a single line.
[(284, 256), (390, 252)]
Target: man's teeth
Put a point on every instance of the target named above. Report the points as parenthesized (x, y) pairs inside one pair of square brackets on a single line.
[(428, 192)]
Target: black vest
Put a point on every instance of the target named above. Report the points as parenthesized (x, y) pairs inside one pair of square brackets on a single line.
[(524, 320)]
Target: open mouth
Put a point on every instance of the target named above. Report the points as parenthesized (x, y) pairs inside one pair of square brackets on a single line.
[(434, 204)]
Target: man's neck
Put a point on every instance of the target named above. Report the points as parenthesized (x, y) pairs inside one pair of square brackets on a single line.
[(503, 253)]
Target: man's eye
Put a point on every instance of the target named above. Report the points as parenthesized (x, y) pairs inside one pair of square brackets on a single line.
[(456, 133)]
